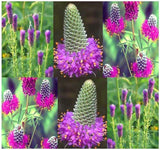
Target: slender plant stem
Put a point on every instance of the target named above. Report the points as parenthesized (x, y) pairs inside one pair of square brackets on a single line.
[(43, 5), (46, 58), (134, 39), (118, 96), (120, 143), (22, 60), (130, 138), (34, 132), (39, 70), (138, 131), (10, 117), (136, 81), (26, 112), (114, 132), (125, 57), (30, 62)]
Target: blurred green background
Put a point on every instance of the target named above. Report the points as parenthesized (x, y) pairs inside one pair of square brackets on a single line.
[(25, 10), (112, 51), (136, 97), (47, 126)]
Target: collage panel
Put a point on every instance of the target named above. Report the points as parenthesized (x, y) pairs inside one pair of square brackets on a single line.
[(82, 108), (29, 113), (78, 44), (27, 39), (130, 39), (133, 113)]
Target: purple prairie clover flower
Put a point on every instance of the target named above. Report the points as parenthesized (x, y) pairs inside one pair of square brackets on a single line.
[(131, 10), (46, 73), (14, 22), (37, 35), (122, 107), (49, 72), (156, 97), (120, 130), (109, 143), (124, 95), (150, 87), (115, 24), (9, 12), (129, 109), (40, 57), (143, 67), (36, 21), (112, 110), (48, 36), (45, 99), (3, 22), (149, 28), (30, 35), (109, 71), (50, 143), (137, 108), (145, 97), (113, 144), (28, 85), (22, 37), (17, 139), (11, 102)]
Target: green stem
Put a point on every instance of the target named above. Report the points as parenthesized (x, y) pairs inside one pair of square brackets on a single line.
[(30, 62), (26, 112), (134, 38), (138, 131), (46, 58), (114, 132), (43, 5), (120, 143), (39, 70), (118, 96), (22, 60), (136, 81), (130, 138)]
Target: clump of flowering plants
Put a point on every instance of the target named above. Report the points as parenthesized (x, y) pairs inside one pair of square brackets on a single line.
[(27, 29), (128, 33), (27, 104), (134, 122)]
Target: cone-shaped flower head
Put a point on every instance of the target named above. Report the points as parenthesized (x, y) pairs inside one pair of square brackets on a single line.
[(122, 107), (17, 138), (45, 99), (150, 87), (28, 85), (82, 128), (131, 10), (30, 35), (120, 130), (112, 110), (109, 143), (129, 109), (9, 11), (109, 71), (50, 143), (78, 55), (3, 22), (124, 95), (40, 57), (37, 35), (75, 37), (11, 102), (156, 97), (36, 21), (138, 110), (145, 97), (48, 36), (22, 37), (149, 28), (14, 22), (143, 67), (115, 23)]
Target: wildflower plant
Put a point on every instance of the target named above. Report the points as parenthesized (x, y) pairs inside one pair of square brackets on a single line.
[(24, 35)]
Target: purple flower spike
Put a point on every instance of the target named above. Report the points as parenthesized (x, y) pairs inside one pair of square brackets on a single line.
[(48, 34), (129, 109), (22, 37), (9, 12), (138, 109), (112, 110), (122, 108), (109, 71), (3, 22), (36, 21), (109, 143), (46, 73), (50, 71), (40, 57), (120, 130), (37, 35), (30, 35), (14, 22), (150, 87), (113, 144), (124, 96), (145, 97), (156, 97)]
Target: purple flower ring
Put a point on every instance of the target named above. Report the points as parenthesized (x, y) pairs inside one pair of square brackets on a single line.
[(50, 143), (109, 71)]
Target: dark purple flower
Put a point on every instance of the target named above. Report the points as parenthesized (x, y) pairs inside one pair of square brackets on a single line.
[(138, 109), (150, 87), (124, 95), (40, 57), (122, 107), (129, 109), (46, 73), (120, 130), (156, 97), (109, 143), (9, 12), (113, 144), (3, 22), (30, 35), (14, 22), (48, 35), (145, 97), (36, 21), (37, 35), (112, 110), (50, 143), (22, 37), (50, 71)]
